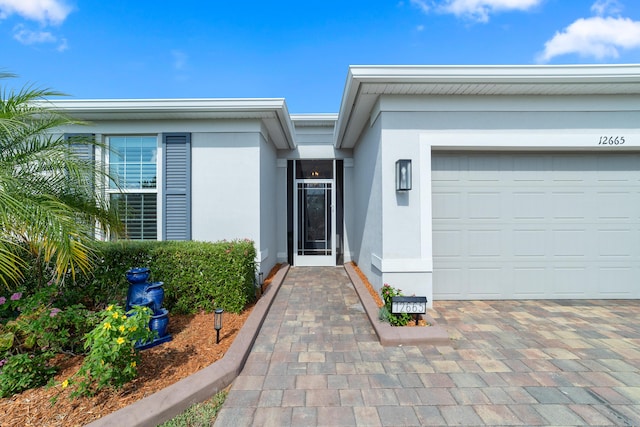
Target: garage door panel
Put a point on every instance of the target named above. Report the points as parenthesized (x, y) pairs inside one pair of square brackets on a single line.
[(617, 205), (530, 243), (569, 168), (485, 205), (487, 168), (536, 225), (615, 243), (617, 282), (447, 206), (485, 243), (487, 282), (529, 205), (530, 282), (570, 242), (570, 282), (569, 205), (448, 243), (453, 282)]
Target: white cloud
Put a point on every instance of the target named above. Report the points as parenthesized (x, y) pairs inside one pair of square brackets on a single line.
[(597, 37), (421, 4), (606, 7), (477, 10), (29, 37), (43, 11)]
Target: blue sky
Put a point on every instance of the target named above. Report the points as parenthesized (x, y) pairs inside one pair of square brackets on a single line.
[(291, 49)]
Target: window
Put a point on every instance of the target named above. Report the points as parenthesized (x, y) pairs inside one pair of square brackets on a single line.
[(133, 165)]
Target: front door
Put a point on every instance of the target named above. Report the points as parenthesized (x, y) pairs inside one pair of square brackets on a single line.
[(315, 222)]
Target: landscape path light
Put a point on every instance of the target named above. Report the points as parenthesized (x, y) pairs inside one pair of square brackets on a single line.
[(217, 323)]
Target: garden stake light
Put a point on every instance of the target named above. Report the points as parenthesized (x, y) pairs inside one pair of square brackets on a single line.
[(260, 283), (217, 323)]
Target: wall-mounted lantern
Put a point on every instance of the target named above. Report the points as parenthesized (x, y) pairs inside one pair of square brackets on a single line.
[(217, 323), (403, 175)]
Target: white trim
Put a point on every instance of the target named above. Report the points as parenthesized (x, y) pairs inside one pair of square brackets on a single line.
[(262, 255), (401, 265), (531, 139)]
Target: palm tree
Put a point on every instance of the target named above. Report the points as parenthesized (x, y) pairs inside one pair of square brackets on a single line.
[(49, 206)]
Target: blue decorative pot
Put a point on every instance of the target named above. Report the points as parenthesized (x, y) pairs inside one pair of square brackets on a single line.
[(160, 322), (155, 295), (137, 295), (138, 275)]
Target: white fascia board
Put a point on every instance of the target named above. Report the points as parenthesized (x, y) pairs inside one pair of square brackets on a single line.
[(470, 75), (347, 107), (159, 105), (600, 73), (266, 109)]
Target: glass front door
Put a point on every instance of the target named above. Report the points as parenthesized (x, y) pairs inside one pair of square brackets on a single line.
[(315, 199)]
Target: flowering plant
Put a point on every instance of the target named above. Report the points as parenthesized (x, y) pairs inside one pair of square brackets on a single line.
[(113, 359), (32, 330), (398, 319)]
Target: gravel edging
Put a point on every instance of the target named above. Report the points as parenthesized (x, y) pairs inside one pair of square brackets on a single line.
[(394, 335), (175, 399)]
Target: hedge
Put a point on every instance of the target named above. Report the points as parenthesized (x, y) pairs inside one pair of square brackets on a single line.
[(197, 276)]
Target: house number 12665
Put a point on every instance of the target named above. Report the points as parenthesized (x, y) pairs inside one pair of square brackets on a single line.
[(611, 140)]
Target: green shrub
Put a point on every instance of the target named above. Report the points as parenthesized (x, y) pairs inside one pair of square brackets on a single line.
[(197, 276), (398, 319), (202, 276), (35, 323), (113, 359), (24, 371)]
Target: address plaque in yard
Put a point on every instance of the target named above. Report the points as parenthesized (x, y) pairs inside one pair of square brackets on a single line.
[(411, 305)]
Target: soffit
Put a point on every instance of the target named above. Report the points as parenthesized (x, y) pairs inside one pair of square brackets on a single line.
[(272, 112), (365, 84)]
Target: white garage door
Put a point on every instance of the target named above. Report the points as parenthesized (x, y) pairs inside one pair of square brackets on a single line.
[(536, 225)]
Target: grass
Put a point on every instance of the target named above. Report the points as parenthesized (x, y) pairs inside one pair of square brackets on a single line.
[(200, 414)]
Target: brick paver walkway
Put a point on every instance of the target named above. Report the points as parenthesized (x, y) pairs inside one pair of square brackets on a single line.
[(317, 362)]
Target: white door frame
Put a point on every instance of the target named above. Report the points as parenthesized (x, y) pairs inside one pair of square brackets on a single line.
[(300, 259)]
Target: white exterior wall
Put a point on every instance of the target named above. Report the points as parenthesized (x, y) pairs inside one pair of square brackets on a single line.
[(269, 189), (468, 123), (366, 239), (281, 210), (225, 186)]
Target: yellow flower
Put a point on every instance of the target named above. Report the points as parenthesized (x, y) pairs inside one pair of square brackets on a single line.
[(115, 315), (121, 328), (107, 326), (120, 340), (110, 307), (65, 383), (133, 328), (133, 364)]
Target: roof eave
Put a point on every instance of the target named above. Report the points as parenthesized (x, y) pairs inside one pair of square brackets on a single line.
[(543, 76), (264, 109)]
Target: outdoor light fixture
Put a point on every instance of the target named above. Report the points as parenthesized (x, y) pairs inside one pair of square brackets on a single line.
[(259, 284), (403, 175), (217, 323)]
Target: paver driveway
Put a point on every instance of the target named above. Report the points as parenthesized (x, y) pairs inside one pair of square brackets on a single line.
[(317, 361)]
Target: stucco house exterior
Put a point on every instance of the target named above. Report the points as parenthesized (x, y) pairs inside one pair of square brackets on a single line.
[(452, 182)]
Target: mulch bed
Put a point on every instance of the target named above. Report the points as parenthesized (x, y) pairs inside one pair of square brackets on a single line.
[(192, 348)]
